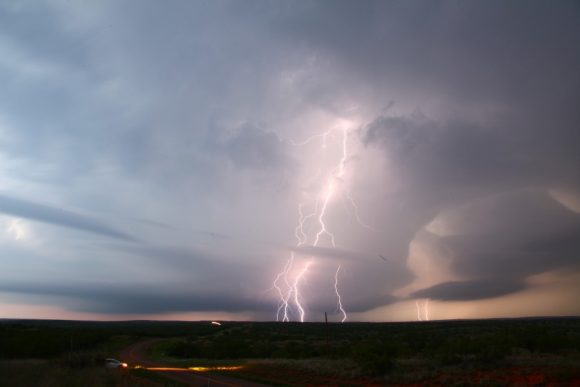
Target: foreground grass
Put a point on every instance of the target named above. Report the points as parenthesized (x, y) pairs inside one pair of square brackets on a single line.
[(84, 367), (154, 378), (496, 352), (484, 352), (49, 374)]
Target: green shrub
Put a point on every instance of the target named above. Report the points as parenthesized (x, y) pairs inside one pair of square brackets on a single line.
[(376, 358)]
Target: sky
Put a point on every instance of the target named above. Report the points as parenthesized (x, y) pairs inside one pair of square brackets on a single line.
[(260, 160)]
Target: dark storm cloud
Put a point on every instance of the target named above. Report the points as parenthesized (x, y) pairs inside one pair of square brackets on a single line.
[(493, 50), (426, 152), (504, 239), (442, 165), (136, 298), (206, 267), (469, 290), (255, 148), (137, 105), (507, 124), (330, 252), (59, 217), (355, 305), (515, 235)]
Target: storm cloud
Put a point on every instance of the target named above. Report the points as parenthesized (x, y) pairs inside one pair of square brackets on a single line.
[(119, 299), (469, 290), (43, 213), (427, 149)]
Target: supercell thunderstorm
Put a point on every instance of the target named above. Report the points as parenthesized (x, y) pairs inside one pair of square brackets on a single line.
[(313, 229)]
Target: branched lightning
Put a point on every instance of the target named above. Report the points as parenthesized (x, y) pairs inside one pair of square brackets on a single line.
[(323, 135), (323, 230), (356, 212), (284, 298), (312, 228)]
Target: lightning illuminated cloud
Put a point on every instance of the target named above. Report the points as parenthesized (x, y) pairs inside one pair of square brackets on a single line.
[(17, 229), (312, 228)]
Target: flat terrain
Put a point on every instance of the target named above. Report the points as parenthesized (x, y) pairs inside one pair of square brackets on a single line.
[(136, 356), (541, 351)]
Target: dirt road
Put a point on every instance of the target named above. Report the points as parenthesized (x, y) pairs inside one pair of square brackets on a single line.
[(135, 355)]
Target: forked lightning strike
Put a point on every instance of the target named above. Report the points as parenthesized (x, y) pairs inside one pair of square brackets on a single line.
[(283, 306), (323, 230), (297, 296), (289, 293)]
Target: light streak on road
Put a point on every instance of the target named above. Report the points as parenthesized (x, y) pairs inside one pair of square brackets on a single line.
[(216, 368), (191, 369)]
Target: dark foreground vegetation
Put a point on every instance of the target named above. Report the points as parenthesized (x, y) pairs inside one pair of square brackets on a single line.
[(497, 352), (72, 353)]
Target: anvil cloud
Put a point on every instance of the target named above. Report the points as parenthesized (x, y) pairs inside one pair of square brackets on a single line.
[(151, 166)]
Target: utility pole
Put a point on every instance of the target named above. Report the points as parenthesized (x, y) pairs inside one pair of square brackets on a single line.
[(326, 330)]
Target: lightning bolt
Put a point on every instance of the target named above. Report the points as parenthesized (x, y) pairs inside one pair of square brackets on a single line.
[(284, 296), (323, 230), (290, 297), (353, 204), (297, 297), (308, 140), (339, 304), (419, 317)]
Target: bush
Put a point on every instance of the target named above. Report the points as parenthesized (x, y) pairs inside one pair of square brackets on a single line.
[(376, 358)]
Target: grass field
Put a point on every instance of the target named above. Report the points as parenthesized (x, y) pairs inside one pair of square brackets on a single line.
[(488, 352)]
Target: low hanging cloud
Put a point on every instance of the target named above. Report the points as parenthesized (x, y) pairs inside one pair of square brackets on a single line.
[(514, 236), (115, 298), (59, 217), (500, 241), (469, 290), (330, 253)]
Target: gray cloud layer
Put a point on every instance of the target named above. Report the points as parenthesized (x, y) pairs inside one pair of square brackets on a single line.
[(42, 213), (123, 299), (181, 114), (469, 290)]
